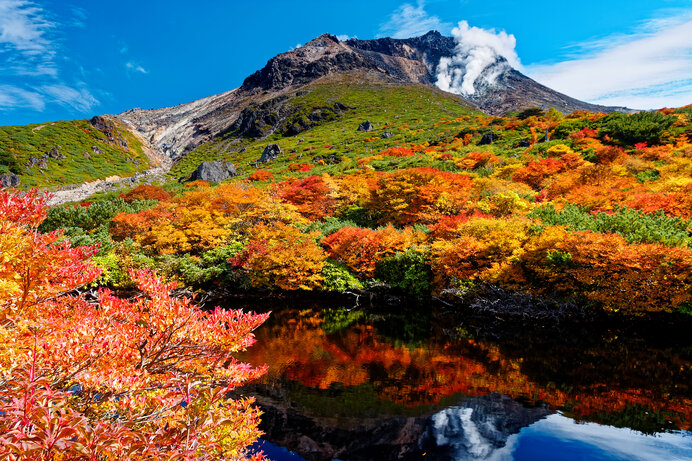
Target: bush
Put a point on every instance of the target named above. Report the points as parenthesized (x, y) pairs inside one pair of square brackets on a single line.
[(407, 271), (337, 277), (634, 225), (530, 112), (261, 175), (146, 192), (635, 128), (91, 216), (10, 163)]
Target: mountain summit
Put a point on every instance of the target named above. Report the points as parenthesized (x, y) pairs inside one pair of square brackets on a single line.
[(432, 60)]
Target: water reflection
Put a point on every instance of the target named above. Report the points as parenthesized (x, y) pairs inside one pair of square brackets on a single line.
[(357, 385)]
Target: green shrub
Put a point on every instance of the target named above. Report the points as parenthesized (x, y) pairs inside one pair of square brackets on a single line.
[(640, 127), (338, 278), (8, 162), (209, 267), (407, 271), (90, 217), (635, 226), (559, 258), (530, 112)]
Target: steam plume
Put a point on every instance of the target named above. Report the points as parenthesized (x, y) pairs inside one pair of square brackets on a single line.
[(476, 52)]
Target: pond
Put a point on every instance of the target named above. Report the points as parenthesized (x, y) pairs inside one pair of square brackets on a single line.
[(415, 383)]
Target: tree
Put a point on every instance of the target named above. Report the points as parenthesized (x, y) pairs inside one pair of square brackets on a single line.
[(144, 378)]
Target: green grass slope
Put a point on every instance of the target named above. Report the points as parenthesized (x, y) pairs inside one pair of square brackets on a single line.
[(409, 113), (88, 152)]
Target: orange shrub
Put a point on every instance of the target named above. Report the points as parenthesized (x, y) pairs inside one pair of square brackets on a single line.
[(361, 249), (605, 269), (672, 203), (534, 173), (420, 195), (398, 152), (312, 196), (282, 256), (146, 192), (261, 175), (475, 160)]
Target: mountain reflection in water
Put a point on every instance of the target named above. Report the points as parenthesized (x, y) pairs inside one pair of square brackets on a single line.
[(354, 385)]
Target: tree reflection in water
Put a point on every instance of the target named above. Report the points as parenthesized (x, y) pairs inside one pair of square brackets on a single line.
[(351, 384)]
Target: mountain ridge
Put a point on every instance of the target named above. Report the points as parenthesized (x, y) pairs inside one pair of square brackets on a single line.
[(178, 130)]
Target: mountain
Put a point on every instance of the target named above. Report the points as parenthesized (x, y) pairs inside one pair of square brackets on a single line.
[(324, 81), (262, 97)]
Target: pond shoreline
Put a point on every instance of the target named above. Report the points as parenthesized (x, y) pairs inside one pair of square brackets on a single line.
[(492, 307)]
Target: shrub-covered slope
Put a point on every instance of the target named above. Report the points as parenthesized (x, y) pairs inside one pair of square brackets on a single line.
[(587, 208), (70, 152)]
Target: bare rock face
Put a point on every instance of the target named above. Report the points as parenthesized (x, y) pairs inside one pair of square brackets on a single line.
[(215, 171), (488, 138), (271, 152), (9, 180)]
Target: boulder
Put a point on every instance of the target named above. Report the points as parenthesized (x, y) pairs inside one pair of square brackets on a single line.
[(9, 180), (96, 150), (54, 153), (523, 143), (386, 135), (101, 124), (365, 126), (488, 138), (215, 171), (271, 152)]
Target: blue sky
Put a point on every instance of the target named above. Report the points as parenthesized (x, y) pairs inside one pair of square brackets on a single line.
[(66, 59)]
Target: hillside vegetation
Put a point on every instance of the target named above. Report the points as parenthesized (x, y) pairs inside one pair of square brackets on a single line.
[(70, 152), (437, 199)]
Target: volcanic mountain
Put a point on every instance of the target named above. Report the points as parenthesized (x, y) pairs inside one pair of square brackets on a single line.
[(260, 106)]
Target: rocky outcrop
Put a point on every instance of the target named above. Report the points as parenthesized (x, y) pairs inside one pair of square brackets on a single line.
[(271, 152), (9, 180), (320, 57), (214, 171), (365, 126), (55, 153), (488, 138)]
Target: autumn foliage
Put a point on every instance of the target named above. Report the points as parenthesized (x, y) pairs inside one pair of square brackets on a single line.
[(144, 378)]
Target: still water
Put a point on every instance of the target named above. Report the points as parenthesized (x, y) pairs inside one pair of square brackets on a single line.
[(408, 384)]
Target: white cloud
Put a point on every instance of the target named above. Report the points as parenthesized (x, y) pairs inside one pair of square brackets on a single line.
[(29, 45), (37, 98), (412, 21), (134, 67), (343, 37), (15, 97), (79, 99), (646, 70), (25, 42)]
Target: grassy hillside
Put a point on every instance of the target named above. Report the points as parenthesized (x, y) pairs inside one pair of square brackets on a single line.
[(409, 113), (82, 152)]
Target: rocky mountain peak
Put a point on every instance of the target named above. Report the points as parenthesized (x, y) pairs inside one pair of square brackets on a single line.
[(497, 89)]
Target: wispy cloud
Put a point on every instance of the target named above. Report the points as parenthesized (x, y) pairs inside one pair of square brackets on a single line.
[(29, 45), (134, 67), (411, 21), (646, 70)]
